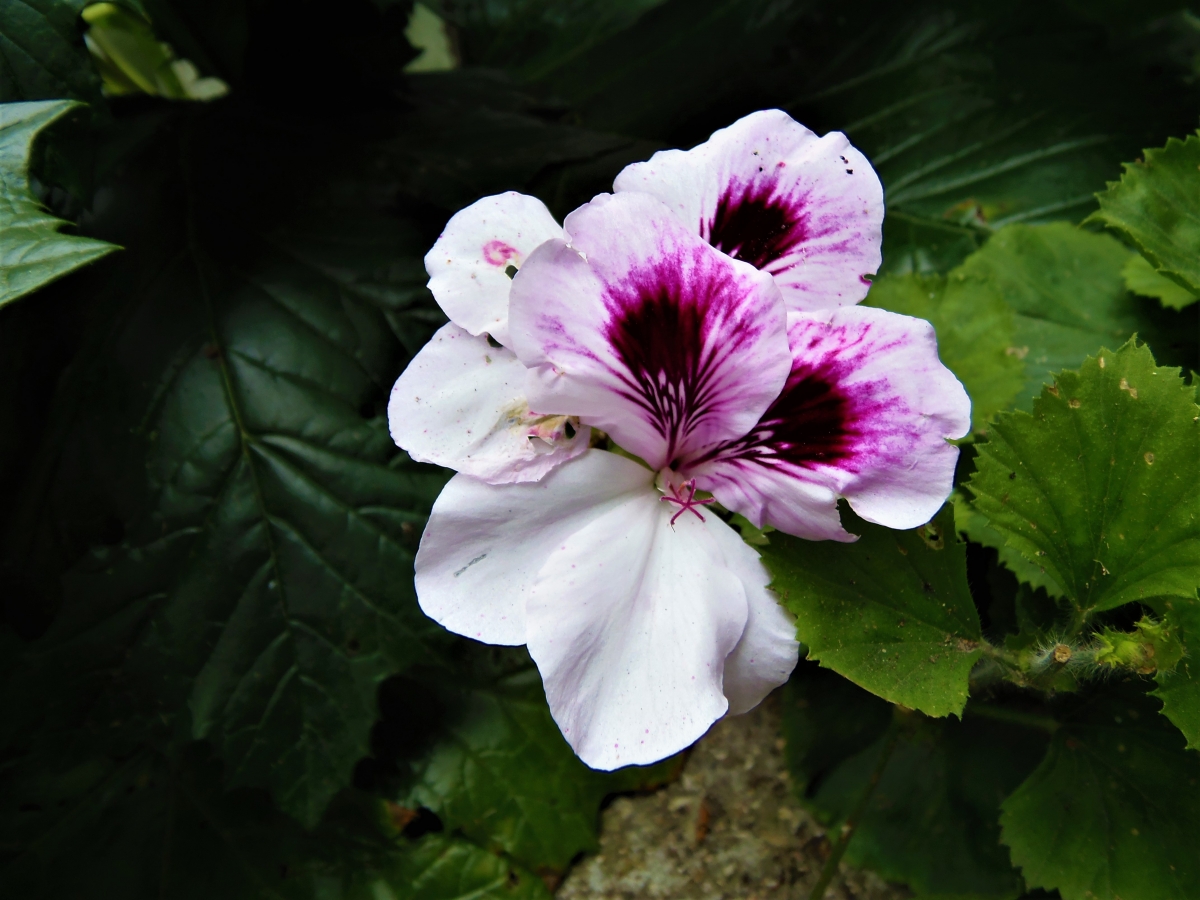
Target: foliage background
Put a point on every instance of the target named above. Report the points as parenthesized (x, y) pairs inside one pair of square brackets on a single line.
[(216, 678)]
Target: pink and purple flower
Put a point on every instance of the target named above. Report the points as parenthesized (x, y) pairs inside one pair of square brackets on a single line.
[(702, 318)]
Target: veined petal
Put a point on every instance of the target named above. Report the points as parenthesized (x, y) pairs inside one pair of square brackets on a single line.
[(468, 264), (866, 414), (767, 190), (643, 330), (768, 650), (630, 622), (461, 404), (485, 545)]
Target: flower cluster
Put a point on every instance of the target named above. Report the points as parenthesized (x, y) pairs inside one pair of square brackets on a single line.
[(701, 321)]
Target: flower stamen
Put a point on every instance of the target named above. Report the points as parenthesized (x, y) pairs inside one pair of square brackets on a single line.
[(686, 504)]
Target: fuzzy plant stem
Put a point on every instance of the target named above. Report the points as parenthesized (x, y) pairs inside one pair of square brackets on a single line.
[(838, 850)]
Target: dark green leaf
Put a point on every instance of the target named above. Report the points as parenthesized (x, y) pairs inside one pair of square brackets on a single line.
[(1066, 288), (891, 612), (1114, 809), (1156, 205), (32, 251), (975, 525), (445, 868), (1098, 485), (974, 332), (503, 774), (933, 821), (1179, 688), (42, 56)]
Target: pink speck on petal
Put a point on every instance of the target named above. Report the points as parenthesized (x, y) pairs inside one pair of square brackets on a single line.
[(497, 253)]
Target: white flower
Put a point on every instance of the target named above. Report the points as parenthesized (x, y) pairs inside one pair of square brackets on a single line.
[(647, 615)]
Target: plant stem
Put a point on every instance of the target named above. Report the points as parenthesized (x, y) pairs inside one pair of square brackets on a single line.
[(838, 850), (1013, 716)]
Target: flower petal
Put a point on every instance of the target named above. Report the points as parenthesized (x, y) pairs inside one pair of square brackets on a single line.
[(767, 190), (630, 622), (865, 415), (461, 404), (485, 544), (768, 650), (643, 330), (467, 265)]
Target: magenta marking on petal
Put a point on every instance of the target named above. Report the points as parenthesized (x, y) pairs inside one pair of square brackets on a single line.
[(673, 325), (497, 253), (819, 419), (756, 225)]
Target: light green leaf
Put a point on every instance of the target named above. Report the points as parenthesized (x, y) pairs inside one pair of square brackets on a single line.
[(1114, 809), (502, 774), (891, 612), (1099, 485), (975, 525), (974, 332), (1179, 688), (32, 251), (1141, 278), (42, 56), (446, 868), (1066, 288), (1156, 205)]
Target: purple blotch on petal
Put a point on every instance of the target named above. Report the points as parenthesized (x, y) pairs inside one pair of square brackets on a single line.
[(755, 225)]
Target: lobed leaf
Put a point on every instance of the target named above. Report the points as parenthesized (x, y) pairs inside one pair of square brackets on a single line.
[(1113, 811), (33, 252), (1142, 279), (1179, 687), (892, 612), (1066, 289), (1156, 206), (1098, 486)]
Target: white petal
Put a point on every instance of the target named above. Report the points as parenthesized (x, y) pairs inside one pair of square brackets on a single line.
[(630, 622), (485, 544), (767, 190), (768, 650), (461, 404), (467, 265)]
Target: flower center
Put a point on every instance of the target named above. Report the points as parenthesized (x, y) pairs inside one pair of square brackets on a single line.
[(684, 495)]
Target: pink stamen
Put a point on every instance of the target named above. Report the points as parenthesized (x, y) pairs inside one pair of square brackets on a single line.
[(686, 504)]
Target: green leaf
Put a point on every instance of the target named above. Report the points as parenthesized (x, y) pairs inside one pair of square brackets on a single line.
[(267, 589), (150, 826), (446, 868), (891, 612), (1141, 278), (1179, 688), (42, 56), (974, 332), (826, 720), (1114, 809), (1066, 288), (933, 821), (32, 251), (1098, 484), (976, 526), (1156, 205), (502, 774)]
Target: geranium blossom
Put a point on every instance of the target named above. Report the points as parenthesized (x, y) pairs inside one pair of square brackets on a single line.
[(647, 615)]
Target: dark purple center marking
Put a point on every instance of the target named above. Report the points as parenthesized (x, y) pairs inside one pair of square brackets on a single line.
[(754, 225), (673, 325)]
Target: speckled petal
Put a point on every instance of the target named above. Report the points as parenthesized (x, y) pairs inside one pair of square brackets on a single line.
[(767, 190), (468, 265)]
